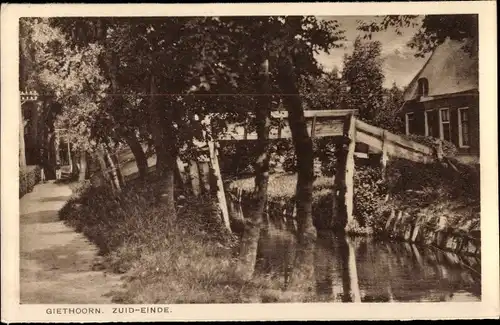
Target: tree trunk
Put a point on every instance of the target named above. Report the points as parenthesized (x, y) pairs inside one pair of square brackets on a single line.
[(22, 147), (303, 149), (156, 122), (34, 134), (82, 175), (306, 232), (57, 151), (74, 161), (249, 243), (25, 64), (165, 149), (139, 155)]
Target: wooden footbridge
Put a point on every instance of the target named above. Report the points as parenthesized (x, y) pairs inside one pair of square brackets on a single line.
[(343, 127)]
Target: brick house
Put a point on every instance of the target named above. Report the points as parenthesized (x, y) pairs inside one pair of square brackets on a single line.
[(442, 100)]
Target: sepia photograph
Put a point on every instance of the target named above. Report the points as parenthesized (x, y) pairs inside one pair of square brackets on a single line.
[(248, 159)]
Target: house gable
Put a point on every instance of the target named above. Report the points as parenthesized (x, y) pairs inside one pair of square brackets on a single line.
[(448, 70)]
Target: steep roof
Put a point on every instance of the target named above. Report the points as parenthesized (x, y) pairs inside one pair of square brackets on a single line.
[(449, 69)]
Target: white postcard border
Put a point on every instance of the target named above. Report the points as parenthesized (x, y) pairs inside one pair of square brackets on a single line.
[(487, 308)]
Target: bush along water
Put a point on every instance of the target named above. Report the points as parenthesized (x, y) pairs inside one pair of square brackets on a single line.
[(424, 203)]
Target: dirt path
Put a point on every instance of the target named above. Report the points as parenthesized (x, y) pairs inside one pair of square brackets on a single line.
[(56, 263)]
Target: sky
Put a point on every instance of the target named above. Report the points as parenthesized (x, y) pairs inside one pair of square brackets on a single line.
[(400, 64)]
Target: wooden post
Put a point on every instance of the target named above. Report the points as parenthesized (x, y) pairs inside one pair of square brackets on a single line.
[(313, 127), (396, 222), (69, 156), (119, 170), (385, 157), (280, 122), (102, 164), (182, 172), (204, 168), (194, 177), (389, 220), (245, 131), (115, 177), (344, 177), (350, 132), (221, 196)]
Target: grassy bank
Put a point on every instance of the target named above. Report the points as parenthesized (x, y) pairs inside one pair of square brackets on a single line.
[(442, 198), (187, 260)]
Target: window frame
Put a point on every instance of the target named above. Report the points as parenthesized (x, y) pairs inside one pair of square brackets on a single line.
[(426, 122), (407, 121), (460, 135), (423, 87), (441, 129)]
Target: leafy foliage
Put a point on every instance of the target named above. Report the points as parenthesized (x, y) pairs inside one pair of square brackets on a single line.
[(449, 149), (28, 178), (434, 30), (364, 79), (70, 76), (326, 91), (388, 116), (369, 192)]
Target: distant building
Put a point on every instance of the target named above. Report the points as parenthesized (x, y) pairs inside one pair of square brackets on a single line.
[(442, 100)]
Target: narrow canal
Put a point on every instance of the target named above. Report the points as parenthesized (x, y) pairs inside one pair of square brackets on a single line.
[(358, 269)]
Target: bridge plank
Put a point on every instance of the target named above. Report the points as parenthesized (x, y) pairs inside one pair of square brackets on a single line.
[(367, 128), (393, 149)]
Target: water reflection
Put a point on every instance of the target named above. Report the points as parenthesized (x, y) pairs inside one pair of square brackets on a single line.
[(365, 270)]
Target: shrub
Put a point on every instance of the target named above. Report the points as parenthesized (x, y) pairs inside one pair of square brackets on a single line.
[(369, 192), (449, 149), (406, 176), (324, 151), (28, 178), (80, 187)]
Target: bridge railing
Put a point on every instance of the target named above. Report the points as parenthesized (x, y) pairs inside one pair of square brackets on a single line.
[(394, 145)]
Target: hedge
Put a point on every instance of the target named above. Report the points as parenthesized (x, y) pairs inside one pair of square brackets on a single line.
[(29, 176)]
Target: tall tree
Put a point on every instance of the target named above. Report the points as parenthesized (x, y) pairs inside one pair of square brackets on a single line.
[(290, 43), (250, 240), (364, 79), (324, 92), (300, 38), (389, 117), (62, 75)]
